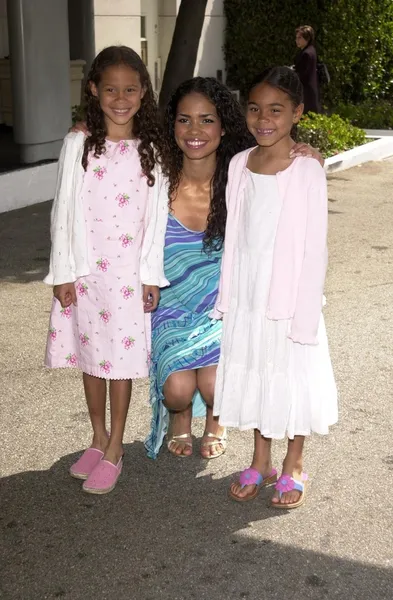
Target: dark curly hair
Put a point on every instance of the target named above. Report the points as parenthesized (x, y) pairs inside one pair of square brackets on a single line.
[(236, 139), (145, 124)]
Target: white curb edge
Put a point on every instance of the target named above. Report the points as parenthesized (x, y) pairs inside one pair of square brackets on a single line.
[(377, 150)]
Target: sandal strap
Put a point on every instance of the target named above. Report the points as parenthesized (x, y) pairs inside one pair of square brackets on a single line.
[(287, 483), (217, 439), (182, 437)]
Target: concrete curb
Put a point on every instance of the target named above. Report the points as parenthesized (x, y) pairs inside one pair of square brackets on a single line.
[(378, 150)]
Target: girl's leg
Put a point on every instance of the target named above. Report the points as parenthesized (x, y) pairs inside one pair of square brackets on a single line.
[(292, 465), (206, 381), (120, 396), (179, 390), (95, 392), (261, 461)]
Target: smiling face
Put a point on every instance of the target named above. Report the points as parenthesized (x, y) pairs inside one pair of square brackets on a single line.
[(198, 128), (271, 114), (120, 95)]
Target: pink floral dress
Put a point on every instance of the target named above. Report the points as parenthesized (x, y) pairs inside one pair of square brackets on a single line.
[(107, 334)]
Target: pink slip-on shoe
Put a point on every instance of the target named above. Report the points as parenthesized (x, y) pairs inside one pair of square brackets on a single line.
[(86, 463), (103, 478)]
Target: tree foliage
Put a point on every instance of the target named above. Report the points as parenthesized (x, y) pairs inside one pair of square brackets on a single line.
[(354, 38)]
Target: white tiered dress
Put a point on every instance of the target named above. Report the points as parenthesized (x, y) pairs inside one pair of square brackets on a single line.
[(264, 380)]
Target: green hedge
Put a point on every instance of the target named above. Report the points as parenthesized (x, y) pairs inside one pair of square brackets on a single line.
[(354, 38), (369, 114), (331, 135)]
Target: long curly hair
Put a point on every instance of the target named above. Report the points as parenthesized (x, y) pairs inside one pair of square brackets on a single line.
[(146, 126), (235, 139)]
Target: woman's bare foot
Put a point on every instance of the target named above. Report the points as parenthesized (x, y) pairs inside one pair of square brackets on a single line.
[(180, 425), (214, 445)]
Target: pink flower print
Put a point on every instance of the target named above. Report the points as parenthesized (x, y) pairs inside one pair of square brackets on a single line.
[(82, 289), (126, 240), (286, 483), (124, 147), (103, 264), (105, 366), (105, 315), (66, 312), (99, 172), (128, 342), (127, 292), (122, 200), (84, 339), (53, 333), (71, 360)]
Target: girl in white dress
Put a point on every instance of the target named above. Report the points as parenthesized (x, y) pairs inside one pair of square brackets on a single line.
[(275, 374)]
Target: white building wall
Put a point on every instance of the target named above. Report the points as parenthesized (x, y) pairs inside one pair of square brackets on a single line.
[(150, 11), (210, 57), (117, 22), (166, 23)]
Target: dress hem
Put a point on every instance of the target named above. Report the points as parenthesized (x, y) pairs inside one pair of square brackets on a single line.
[(268, 434), (98, 374)]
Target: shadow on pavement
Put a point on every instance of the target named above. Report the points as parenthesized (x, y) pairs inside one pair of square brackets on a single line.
[(25, 243), (162, 534)]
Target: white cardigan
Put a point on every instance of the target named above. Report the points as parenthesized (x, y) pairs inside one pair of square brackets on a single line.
[(69, 252)]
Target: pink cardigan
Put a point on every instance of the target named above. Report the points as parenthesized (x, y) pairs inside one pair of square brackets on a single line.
[(300, 251)]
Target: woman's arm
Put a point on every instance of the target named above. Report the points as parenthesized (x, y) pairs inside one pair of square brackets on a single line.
[(302, 149)]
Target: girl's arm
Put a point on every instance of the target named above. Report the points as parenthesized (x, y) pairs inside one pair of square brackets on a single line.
[(312, 279)]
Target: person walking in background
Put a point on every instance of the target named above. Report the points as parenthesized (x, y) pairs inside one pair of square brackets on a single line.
[(306, 68)]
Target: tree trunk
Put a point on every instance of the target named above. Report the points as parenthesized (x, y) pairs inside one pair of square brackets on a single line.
[(184, 48)]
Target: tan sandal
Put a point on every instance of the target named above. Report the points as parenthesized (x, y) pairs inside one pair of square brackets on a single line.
[(251, 476), (175, 439), (287, 483), (214, 442)]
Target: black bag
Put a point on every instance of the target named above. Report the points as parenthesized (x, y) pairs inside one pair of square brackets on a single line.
[(323, 74)]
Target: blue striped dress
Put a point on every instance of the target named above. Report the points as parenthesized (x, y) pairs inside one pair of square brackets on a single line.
[(183, 336)]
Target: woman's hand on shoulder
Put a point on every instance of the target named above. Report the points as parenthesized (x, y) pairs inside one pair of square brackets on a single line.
[(307, 151), (79, 126), (65, 294), (151, 297)]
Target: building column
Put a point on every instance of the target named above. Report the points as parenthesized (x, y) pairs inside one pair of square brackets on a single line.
[(40, 70)]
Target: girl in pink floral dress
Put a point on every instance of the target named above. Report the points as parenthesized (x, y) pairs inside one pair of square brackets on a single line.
[(99, 320)]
